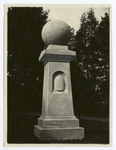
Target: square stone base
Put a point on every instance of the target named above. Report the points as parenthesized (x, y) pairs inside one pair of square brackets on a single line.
[(49, 134)]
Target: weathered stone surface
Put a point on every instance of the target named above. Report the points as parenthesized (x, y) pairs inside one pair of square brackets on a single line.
[(56, 32), (59, 84), (56, 53), (50, 134), (57, 121), (55, 104)]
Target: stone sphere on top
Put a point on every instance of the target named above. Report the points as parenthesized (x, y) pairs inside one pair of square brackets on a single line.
[(56, 32)]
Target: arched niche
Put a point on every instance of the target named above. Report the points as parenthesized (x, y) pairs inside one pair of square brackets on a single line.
[(59, 82)]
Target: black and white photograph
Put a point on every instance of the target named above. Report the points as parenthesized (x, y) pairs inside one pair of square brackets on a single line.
[(58, 74)]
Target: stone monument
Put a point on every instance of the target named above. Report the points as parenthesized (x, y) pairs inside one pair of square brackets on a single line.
[(57, 120)]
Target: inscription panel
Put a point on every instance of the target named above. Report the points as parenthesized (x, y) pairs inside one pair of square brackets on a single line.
[(59, 109), (60, 98)]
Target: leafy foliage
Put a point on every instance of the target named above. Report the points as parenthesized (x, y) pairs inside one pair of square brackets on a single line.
[(92, 63)]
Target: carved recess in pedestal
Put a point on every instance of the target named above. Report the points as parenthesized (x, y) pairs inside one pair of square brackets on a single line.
[(59, 82)]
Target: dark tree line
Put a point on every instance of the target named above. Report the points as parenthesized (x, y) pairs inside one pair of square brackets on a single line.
[(91, 85), (25, 73)]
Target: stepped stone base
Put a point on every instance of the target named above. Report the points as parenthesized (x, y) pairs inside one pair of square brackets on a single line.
[(49, 134), (58, 122)]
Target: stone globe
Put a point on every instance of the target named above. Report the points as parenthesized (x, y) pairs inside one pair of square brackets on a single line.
[(56, 32)]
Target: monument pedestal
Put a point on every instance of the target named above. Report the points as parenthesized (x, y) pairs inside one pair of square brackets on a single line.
[(67, 133), (57, 121)]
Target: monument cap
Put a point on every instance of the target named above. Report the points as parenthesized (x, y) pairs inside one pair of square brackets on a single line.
[(56, 32)]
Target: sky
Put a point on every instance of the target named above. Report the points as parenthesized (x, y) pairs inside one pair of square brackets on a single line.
[(71, 14)]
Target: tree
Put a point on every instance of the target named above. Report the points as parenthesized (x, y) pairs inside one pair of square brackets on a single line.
[(103, 68), (25, 73), (91, 62)]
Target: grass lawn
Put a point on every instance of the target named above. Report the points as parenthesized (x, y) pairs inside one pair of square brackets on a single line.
[(21, 130)]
